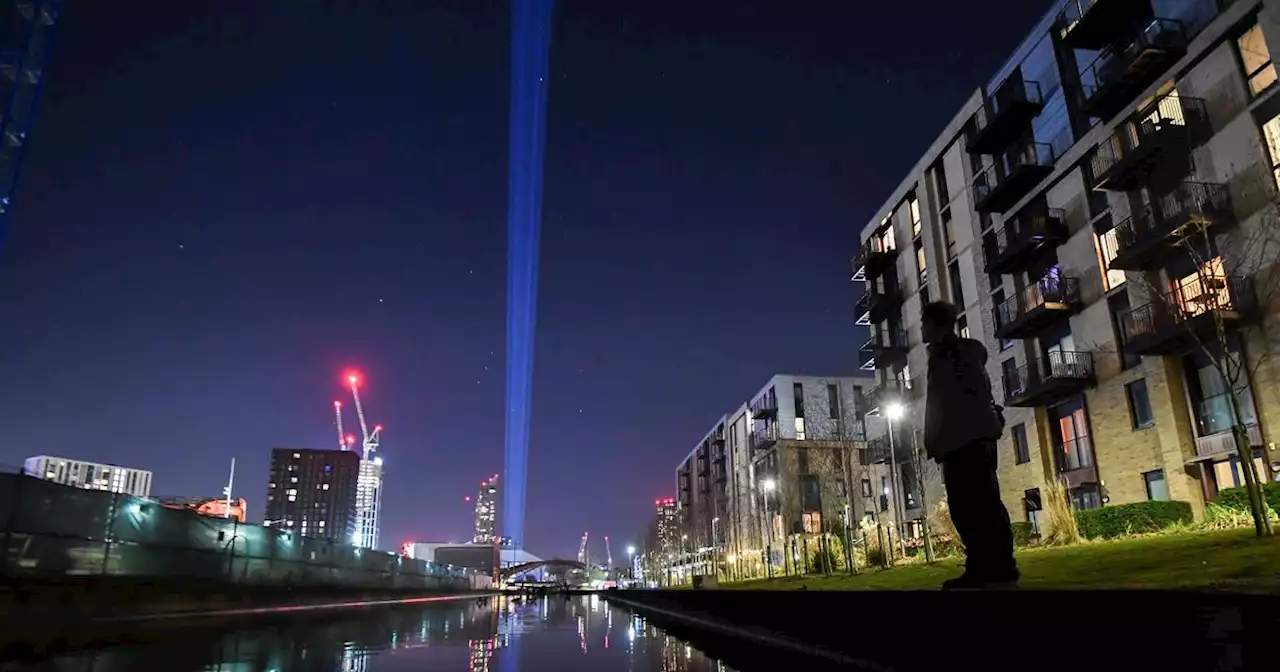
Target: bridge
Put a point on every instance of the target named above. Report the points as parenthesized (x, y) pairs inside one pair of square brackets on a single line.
[(516, 570)]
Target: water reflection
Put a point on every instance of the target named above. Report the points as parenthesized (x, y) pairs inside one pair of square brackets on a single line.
[(487, 635)]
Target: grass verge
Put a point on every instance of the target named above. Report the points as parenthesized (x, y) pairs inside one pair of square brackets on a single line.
[(1233, 560)]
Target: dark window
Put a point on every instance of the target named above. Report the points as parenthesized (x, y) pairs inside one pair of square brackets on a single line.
[(1009, 369), (1118, 304), (802, 460), (810, 494), (924, 294), (940, 176), (997, 299), (1157, 488), (798, 391), (946, 232), (962, 326), (1139, 404), (957, 288), (866, 487), (1021, 451), (833, 402)]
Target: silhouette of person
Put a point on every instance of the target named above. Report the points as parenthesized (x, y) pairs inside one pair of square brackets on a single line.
[(961, 426)]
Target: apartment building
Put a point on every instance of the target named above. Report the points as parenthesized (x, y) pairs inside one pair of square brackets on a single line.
[(313, 493), (89, 475), (1096, 211), (787, 462)]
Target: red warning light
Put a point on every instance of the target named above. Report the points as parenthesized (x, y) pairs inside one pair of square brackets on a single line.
[(351, 439), (467, 498), (377, 428), (337, 404)]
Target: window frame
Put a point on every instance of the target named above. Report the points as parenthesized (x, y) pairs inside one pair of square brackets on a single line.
[(1129, 387), (1021, 444), (1240, 61)]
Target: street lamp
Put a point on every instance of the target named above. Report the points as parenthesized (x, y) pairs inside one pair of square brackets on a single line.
[(715, 547), (892, 412)]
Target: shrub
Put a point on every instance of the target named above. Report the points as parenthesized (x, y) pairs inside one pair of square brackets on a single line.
[(1238, 498), (1023, 534), (1060, 520), (1139, 517)]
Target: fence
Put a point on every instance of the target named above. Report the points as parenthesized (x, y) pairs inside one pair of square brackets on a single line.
[(57, 531)]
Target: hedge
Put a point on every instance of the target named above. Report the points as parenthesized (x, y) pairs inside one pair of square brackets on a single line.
[(1117, 521), (1023, 533), (1238, 499)]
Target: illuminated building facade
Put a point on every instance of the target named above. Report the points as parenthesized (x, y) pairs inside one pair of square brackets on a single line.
[(313, 492), (368, 503), (486, 512), (89, 475), (214, 507)]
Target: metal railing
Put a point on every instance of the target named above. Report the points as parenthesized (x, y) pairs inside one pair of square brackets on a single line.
[(1035, 154), (1201, 294), (1007, 94), (1056, 365), (1193, 201), (1110, 66), (1074, 454), (1046, 224), (1052, 288), (1171, 111)]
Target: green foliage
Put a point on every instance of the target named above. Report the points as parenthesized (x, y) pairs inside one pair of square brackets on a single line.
[(1136, 518), (1238, 498), (1023, 534)]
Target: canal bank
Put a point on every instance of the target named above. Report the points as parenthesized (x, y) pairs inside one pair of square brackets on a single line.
[(998, 630)]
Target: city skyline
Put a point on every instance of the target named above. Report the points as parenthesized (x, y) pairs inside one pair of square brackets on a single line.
[(192, 264)]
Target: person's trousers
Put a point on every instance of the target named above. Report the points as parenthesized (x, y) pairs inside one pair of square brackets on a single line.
[(973, 497)]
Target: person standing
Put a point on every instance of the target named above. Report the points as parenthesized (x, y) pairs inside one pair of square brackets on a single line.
[(961, 426)]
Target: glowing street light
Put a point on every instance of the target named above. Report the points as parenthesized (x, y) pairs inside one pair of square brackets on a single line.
[(768, 485), (892, 412)]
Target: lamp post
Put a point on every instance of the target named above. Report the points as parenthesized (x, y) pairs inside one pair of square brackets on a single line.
[(631, 561), (768, 485), (715, 548), (684, 556), (893, 412)]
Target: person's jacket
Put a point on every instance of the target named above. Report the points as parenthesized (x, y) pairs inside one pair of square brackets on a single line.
[(959, 407)]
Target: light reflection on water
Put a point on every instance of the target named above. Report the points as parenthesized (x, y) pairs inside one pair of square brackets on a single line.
[(493, 634)]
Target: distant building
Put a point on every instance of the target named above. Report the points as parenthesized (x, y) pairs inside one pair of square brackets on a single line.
[(313, 492), (89, 475), (214, 507), (486, 512)]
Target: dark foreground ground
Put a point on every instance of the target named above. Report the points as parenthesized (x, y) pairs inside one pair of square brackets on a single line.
[(1036, 630)]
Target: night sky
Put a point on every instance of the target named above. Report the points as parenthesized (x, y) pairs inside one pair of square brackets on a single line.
[(227, 203)]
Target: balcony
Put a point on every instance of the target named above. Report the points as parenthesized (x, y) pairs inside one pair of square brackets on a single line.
[(882, 302), (1011, 177), (1117, 77), (885, 348), (1189, 315), (762, 438), (896, 390), (1025, 240), (876, 452), (1161, 140), (1005, 118), (1222, 444), (1144, 239), (1073, 460), (1057, 376), (875, 257), (1039, 305), (764, 408), (1094, 24)]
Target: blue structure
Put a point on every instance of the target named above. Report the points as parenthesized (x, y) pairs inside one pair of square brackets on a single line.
[(28, 28), (530, 52)]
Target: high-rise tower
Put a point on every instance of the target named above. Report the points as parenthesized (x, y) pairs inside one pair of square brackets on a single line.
[(486, 512)]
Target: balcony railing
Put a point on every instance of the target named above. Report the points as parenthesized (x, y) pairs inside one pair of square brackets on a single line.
[(1050, 379), (862, 309), (885, 348), (883, 301), (1012, 176), (896, 390), (1025, 238), (875, 256), (1006, 117), (1190, 314), (1160, 140), (1145, 239), (1118, 76), (764, 407), (1095, 24), (1037, 306), (762, 438), (1224, 442)]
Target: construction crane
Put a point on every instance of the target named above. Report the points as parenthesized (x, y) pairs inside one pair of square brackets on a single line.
[(608, 552), (370, 440), (337, 413), (582, 549), (24, 50)]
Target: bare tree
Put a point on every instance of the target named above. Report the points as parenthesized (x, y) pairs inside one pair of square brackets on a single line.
[(1237, 276)]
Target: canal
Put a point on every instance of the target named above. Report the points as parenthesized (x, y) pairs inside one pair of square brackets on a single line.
[(579, 632)]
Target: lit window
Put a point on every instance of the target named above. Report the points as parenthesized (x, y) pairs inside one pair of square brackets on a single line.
[(1256, 58), (913, 206), (1108, 248), (1206, 289), (1271, 130), (325, 486)]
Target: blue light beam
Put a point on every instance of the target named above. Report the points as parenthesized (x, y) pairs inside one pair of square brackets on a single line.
[(530, 53)]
